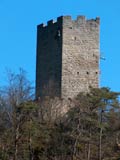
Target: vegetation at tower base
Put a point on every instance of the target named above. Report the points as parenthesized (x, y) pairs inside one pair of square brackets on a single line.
[(34, 130)]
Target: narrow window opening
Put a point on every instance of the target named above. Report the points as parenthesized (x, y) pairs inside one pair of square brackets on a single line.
[(77, 73), (58, 33)]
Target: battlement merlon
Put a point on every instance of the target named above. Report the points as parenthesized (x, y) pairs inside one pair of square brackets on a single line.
[(68, 19), (97, 20)]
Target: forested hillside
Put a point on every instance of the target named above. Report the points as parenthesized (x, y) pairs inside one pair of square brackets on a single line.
[(34, 130)]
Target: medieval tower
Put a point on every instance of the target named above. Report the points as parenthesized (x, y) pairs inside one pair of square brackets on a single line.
[(67, 56)]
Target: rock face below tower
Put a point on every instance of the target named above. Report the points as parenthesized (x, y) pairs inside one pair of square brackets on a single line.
[(67, 57)]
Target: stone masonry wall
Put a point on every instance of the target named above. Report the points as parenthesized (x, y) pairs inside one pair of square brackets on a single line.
[(80, 55), (49, 59), (67, 57)]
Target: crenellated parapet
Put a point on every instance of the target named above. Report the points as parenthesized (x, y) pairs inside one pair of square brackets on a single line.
[(67, 20), (51, 23), (81, 21)]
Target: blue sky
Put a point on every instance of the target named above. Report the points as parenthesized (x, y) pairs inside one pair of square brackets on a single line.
[(18, 21)]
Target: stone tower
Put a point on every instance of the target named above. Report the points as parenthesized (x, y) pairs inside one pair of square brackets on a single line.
[(67, 57)]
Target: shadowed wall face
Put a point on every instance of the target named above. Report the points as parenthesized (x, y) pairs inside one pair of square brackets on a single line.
[(49, 59), (67, 57)]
